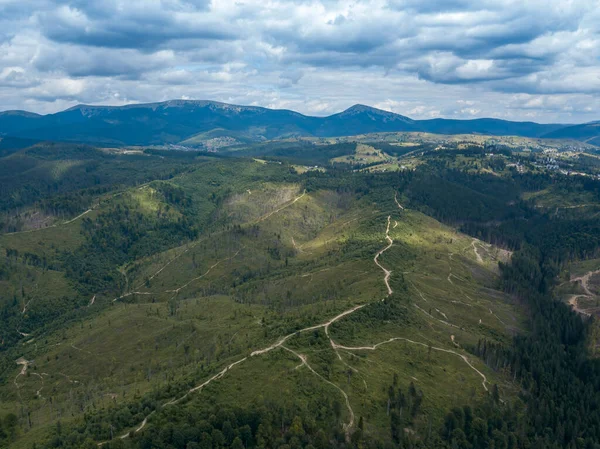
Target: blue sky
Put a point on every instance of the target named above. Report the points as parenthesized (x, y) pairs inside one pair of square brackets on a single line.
[(520, 60)]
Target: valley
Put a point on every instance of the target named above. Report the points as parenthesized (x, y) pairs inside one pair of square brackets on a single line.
[(235, 284), (316, 224)]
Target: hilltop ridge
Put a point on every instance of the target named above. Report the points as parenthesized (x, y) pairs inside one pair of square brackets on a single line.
[(176, 121)]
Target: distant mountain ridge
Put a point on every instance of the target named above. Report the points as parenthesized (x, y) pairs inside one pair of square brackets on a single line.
[(586, 132), (177, 121)]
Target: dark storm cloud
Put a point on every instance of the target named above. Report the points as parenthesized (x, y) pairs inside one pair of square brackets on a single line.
[(131, 27), (99, 62)]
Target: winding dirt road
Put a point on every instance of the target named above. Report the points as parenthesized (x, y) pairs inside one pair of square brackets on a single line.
[(387, 272), (584, 281), (477, 255), (304, 361), (449, 351), (25, 364), (573, 302), (335, 346), (396, 200)]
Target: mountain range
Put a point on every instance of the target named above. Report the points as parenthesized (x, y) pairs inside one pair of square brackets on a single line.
[(192, 122)]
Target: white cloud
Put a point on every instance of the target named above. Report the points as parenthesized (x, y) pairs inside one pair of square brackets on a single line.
[(16, 77), (422, 58)]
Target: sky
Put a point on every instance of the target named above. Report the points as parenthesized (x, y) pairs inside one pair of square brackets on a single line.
[(533, 60)]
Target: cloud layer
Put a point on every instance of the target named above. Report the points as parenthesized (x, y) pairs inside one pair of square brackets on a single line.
[(522, 60)]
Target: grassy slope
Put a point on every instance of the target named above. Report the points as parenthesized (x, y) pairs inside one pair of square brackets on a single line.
[(364, 154), (301, 265)]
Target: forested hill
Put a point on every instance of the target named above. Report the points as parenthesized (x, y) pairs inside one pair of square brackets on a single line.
[(180, 121), (588, 132), (345, 295)]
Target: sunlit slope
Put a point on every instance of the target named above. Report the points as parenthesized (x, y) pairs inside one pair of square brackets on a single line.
[(291, 290)]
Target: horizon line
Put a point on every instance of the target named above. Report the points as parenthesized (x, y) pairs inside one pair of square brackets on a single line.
[(190, 100)]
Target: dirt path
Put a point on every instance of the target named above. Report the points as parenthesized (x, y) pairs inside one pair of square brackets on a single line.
[(38, 393), (201, 386), (452, 338), (69, 379), (396, 200), (175, 401), (325, 325), (177, 290), (264, 217), (387, 272), (177, 256), (80, 350), (25, 364), (296, 247), (131, 294), (280, 344), (25, 306), (477, 255), (78, 217), (573, 302), (448, 351), (143, 424), (336, 347), (304, 362), (450, 269), (418, 291), (349, 221), (193, 245), (447, 323), (123, 271), (450, 273), (584, 281), (441, 313), (497, 317), (73, 219), (54, 225), (126, 435)]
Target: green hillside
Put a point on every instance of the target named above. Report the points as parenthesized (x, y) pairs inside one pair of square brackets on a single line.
[(187, 300), (587, 132)]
